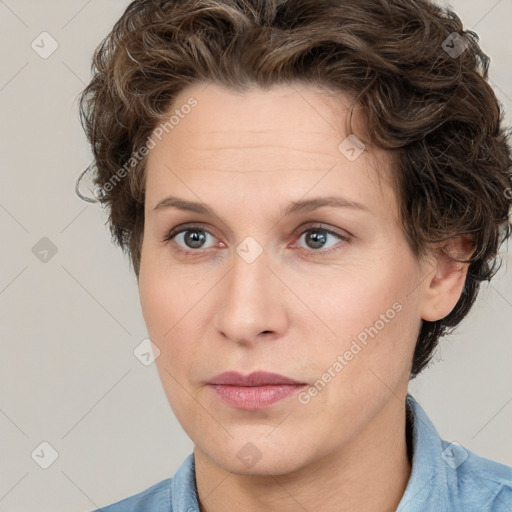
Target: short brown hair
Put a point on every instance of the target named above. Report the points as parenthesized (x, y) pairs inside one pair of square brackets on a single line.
[(418, 76)]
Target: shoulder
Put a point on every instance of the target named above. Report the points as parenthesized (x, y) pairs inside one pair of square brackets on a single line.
[(156, 498), (171, 494), (483, 481), (448, 476)]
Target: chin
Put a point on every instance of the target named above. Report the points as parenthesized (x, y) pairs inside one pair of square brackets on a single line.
[(257, 458)]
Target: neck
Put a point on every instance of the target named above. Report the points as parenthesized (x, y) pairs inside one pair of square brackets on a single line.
[(370, 472)]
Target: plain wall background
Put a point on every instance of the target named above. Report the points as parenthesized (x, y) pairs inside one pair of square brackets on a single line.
[(68, 375)]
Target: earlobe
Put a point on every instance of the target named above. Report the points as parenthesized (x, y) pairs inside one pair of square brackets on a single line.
[(445, 278)]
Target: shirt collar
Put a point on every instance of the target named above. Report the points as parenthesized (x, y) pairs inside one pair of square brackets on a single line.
[(183, 487), (428, 467)]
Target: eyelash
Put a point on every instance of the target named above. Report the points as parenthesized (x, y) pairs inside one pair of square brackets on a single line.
[(175, 232)]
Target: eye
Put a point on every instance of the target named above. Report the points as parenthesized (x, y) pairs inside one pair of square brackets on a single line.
[(189, 237), (317, 237), (195, 239)]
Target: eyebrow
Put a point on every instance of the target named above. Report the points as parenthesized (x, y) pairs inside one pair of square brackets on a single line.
[(303, 206)]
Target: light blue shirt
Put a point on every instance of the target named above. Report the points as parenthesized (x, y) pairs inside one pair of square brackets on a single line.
[(445, 477)]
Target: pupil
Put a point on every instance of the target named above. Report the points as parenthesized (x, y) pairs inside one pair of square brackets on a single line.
[(317, 238), (194, 237)]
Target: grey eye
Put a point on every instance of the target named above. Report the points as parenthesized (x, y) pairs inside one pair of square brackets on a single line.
[(193, 238), (317, 238)]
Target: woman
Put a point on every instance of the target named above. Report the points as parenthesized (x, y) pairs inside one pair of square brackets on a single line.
[(310, 193)]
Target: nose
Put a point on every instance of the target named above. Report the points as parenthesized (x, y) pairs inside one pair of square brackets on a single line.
[(251, 302)]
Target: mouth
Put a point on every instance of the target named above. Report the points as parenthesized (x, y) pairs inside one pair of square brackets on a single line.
[(257, 390)]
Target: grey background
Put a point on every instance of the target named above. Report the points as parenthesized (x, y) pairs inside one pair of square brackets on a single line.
[(68, 375)]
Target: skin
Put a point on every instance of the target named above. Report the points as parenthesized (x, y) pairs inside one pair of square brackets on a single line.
[(293, 310)]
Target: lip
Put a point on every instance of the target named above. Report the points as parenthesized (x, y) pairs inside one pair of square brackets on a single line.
[(259, 378), (257, 390)]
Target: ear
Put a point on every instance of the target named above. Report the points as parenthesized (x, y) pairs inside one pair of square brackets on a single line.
[(445, 277)]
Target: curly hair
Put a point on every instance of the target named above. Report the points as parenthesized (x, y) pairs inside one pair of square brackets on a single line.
[(419, 79)]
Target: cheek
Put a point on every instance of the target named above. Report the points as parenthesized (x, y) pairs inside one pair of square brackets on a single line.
[(164, 308), (161, 295), (374, 322), (169, 307), (154, 303), (350, 303)]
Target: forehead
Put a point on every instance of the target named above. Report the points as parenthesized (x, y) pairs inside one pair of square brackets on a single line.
[(224, 118), (283, 138)]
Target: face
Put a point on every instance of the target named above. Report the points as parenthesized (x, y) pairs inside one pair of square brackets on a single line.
[(266, 279)]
